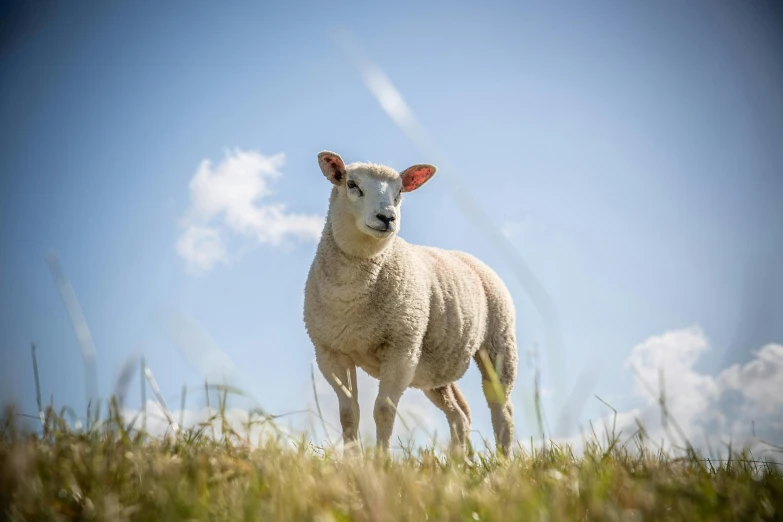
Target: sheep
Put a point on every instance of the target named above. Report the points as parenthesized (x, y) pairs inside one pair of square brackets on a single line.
[(408, 315)]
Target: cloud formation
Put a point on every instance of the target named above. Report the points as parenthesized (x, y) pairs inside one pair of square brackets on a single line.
[(741, 405), (232, 196), (248, 424), (202, 247)]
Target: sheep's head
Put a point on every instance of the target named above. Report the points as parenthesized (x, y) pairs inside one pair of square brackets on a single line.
[(370, 195)]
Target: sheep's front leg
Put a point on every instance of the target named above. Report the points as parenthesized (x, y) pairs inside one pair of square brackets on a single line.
[(340, 372), (395, 376)]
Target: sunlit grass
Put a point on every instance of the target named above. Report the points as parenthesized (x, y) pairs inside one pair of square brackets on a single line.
[(110, 468), (112, 471)]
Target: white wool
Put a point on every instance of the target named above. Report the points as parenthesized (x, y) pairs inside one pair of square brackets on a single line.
[(409, 315)]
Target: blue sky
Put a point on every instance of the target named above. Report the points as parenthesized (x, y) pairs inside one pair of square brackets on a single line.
[(630, 152)]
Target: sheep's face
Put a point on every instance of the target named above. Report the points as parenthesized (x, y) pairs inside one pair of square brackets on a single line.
[(371, 194)]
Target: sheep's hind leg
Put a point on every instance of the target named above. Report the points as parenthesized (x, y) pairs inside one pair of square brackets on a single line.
[(340, 372), (450, 401), (504, 368)]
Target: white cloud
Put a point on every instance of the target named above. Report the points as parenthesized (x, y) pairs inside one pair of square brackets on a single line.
[(760, 381), (690, 396), (249, 425), (202, 247), (227, 197), (742, 404)]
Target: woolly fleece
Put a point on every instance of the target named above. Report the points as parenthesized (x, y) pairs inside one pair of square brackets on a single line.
[(409, 315)]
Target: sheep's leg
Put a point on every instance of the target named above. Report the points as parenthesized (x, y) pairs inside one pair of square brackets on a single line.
[(503, 371), (450, 401), (395, 377), (340, 372)]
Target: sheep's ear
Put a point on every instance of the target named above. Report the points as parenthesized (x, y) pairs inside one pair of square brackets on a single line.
[(416, 176), (332, 166)]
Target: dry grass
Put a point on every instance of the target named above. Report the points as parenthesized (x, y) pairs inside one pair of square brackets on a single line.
[(109, 471)]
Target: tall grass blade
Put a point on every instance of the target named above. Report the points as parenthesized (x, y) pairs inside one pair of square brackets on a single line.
[(79, 324), (209, 408), (123, 381), (159, 397), (143, 375), (182, 405), (37, 386), (318, 405)]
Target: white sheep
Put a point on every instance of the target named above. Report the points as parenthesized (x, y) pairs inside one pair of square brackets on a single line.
[(408, 315)]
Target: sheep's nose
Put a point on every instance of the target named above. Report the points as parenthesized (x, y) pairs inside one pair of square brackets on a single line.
[(385, 219)]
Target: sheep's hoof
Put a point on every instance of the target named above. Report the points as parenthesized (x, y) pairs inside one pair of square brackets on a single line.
[(352, 450)]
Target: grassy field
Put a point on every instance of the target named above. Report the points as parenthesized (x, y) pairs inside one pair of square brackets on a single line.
[(111, 472)]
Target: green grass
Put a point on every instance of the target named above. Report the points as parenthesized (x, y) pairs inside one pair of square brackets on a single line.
[(109, 471)]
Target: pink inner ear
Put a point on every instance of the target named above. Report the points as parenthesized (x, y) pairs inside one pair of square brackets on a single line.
[(336, 167), (415, 177)]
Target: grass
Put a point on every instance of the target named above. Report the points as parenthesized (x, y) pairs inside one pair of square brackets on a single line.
[(112, 471)]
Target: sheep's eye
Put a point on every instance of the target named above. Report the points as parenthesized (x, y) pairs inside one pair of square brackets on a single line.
[(352, 185)]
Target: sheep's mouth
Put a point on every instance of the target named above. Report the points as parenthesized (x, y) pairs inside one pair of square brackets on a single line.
[(386, 230)]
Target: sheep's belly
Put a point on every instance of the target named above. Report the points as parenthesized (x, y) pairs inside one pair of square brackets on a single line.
[(440, 363), (441, 367), (426, 376), (372, 367)]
